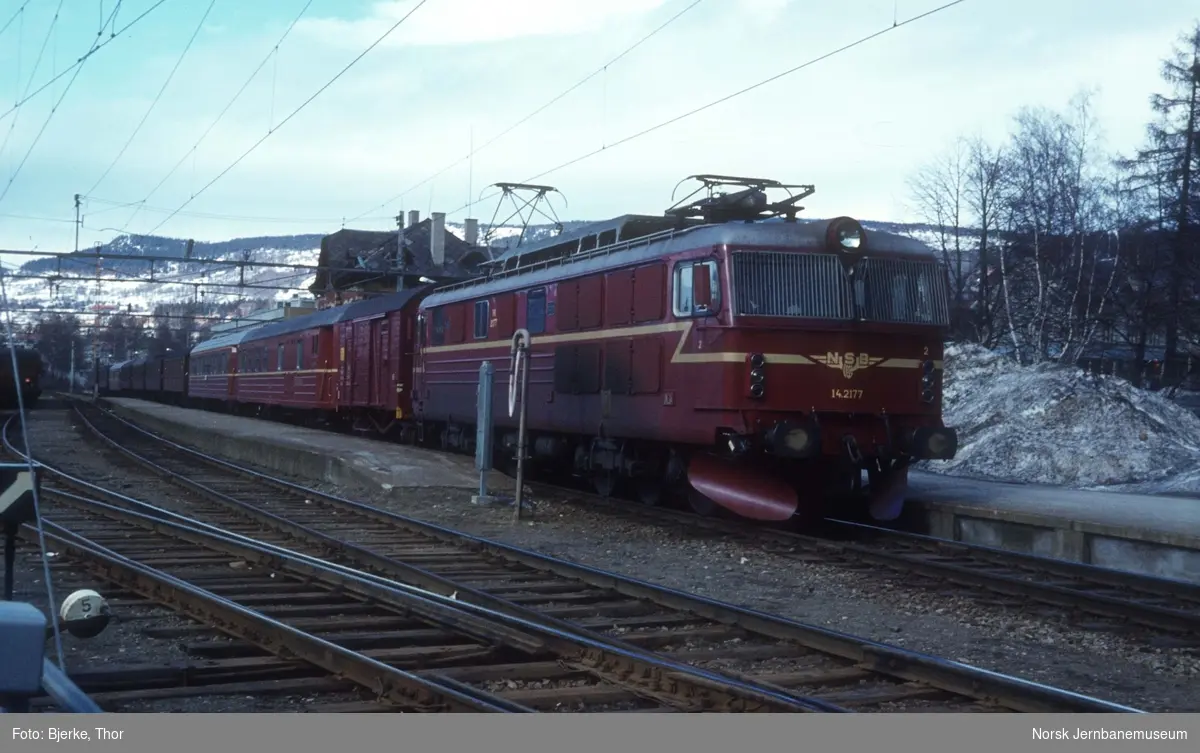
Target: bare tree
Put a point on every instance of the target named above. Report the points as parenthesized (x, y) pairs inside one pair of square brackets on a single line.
[(985, 174), (1056, 273), (939, 192)]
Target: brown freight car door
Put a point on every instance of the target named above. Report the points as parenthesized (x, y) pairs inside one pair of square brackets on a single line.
[(345, 364), (363, 368), (383, 365)]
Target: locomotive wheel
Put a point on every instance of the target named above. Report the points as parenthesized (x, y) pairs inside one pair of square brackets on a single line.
[(605, 483)]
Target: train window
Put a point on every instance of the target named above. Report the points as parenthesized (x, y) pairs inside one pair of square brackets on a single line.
[(279, 360), (437, 328), (535, 311), (685, 303), (481, 319), (299, 355), (314, 345)]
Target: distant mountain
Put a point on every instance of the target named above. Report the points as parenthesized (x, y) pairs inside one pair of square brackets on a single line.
[(175, 248)]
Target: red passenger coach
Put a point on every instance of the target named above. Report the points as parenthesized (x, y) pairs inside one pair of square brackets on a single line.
[(213, 368), (376, 350), (288, 366), (723, 351)]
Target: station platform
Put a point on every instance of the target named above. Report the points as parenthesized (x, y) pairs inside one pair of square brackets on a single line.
[(309, 453), (1149, 534), (1153, 535)]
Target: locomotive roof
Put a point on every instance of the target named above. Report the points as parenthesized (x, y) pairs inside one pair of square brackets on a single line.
[(536, 264)]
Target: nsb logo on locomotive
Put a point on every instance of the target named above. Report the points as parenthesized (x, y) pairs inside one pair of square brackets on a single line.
[(849, 363)]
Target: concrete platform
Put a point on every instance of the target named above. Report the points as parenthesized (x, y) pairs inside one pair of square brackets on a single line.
[(1149, 534), (310, 453)]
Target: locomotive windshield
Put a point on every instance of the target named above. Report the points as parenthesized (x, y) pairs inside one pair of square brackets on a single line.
[(817, 286)]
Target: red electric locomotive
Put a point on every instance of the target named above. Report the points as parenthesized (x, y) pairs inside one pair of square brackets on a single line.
[(723, 350)]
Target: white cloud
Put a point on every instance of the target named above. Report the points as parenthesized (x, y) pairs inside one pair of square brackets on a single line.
[(466, 22)]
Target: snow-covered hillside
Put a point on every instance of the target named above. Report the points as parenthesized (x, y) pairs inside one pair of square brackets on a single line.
[(1059, 425)]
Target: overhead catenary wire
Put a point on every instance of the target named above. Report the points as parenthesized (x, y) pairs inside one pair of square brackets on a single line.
[(274, 49), (66, 90), (96, 47), (808, 63), (154, 103), (530, 116), (16, 14), (36, 64), (291, 115)]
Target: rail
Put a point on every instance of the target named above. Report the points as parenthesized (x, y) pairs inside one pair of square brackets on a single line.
[(952, 677)]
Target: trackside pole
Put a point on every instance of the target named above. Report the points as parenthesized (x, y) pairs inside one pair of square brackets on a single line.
[(519, 372), (484, 424)]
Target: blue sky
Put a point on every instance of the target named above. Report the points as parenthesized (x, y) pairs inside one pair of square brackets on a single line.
[(857, 125)]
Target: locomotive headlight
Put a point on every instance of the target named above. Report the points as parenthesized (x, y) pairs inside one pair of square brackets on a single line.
[(849, 238), (757, 376), (927, 395), (927, 367), (757, 390), (757, 360), (845, 235)]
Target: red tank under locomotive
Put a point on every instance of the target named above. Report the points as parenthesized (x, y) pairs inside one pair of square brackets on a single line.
[(724, 351)]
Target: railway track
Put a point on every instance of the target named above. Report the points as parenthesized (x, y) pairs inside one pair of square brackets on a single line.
[(436, 655), (1091, 597), (773, 653)]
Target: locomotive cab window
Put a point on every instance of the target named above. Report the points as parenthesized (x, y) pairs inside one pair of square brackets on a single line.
[(279, 361), (697, 288), (481, 319), (535, 311)]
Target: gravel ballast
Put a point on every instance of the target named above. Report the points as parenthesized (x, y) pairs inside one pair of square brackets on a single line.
[(1128, 670)]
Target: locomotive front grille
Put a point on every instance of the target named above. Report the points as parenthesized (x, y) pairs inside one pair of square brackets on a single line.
[(818, 286), (781, 283)]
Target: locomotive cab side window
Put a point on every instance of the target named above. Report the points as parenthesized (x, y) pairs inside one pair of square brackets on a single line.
[(535, 311), (697, 288), (481, 319), (279, 361)]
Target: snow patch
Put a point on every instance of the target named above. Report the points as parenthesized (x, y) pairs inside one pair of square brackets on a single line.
[(1054, 424)]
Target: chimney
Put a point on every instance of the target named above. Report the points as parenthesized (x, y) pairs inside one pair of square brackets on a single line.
[(471, 231), (414, 217), (437, 239)]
